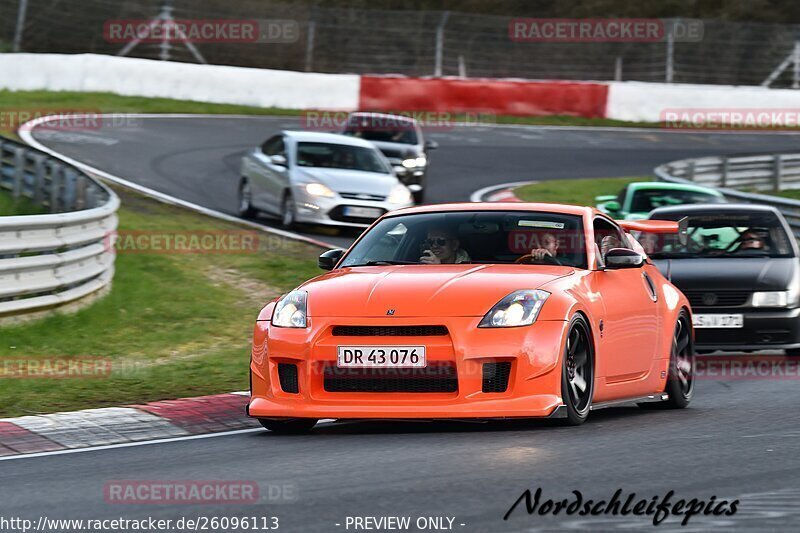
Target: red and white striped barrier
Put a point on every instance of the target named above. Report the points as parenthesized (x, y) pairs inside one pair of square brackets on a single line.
[(626, 101)]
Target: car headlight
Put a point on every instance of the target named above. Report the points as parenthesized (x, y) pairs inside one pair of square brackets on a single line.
[(519, 308), (290, 311), (399, 195), (414, 162), (318, 189), (775, 299)]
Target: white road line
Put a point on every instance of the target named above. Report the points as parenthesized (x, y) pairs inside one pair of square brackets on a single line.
[(142, 443), (478, 195), (25, 133)]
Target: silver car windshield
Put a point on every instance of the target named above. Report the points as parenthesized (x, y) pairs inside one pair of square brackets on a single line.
[(329, 155)]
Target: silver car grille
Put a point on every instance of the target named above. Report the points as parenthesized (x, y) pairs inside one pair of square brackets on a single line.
[(362, 196)]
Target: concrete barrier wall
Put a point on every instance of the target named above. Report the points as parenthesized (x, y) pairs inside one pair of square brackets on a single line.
[(627, 101), (645, 102), (501, 97), (183, 81)]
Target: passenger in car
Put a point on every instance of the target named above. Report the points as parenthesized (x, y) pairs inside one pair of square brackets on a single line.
[(751, 240)]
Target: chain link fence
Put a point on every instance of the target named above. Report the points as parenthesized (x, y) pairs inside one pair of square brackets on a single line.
[(414, 43)]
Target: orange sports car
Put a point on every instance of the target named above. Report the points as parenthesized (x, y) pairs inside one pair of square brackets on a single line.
[(464, 311)]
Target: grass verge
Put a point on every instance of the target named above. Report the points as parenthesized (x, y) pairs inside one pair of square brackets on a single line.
[(575, 192), (20, 206), (40, 102), (173, 325)]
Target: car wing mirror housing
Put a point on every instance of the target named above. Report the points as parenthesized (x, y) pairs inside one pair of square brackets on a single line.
[(612, 205), (327, 260), (623, 258), (279, 160), (431, 145)]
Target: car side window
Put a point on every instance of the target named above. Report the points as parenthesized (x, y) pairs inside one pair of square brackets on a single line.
[(608, 235), (274, 146)]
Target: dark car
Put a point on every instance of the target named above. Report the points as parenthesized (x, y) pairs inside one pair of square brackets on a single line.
[(401, 140), (740, 271)]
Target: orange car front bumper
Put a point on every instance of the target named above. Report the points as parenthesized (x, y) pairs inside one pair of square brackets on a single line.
[(534, 383)]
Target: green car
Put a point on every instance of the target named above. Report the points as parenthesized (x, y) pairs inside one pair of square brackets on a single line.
[(635, 201)]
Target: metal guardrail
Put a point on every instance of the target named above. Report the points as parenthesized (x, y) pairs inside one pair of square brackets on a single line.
[(48, 260), (773, 172)]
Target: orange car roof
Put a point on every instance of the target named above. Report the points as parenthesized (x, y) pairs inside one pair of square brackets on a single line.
[(499, 206)]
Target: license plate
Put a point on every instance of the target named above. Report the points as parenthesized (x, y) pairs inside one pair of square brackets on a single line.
[(381, 356), (718, 321), (362, 212)]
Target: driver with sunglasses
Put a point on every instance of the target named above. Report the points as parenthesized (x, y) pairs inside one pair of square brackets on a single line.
[(442, 247)]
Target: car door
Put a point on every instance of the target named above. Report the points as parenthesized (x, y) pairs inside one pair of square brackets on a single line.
[(630, 330), (269, 178)]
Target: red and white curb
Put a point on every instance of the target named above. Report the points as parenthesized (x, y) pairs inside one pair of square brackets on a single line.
[(119, 425), (498, 193)]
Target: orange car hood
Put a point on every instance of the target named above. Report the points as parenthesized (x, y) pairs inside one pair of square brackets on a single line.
[(415, 290)]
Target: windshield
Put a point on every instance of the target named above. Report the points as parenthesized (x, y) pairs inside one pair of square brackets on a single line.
[(723, 235), (328, 155), (382, 129), (472, 237), (645, 200)]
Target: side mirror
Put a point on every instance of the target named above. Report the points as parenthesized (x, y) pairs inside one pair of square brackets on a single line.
[(623, 258), (431, 145), (612, 206), (329, 259), (279, 160)]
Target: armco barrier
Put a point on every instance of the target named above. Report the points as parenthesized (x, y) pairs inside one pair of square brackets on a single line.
[(501, 97), (761, 172), (49, 260)]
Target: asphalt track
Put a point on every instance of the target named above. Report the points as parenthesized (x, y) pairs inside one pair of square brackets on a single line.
[(197, 159), (738, 440)]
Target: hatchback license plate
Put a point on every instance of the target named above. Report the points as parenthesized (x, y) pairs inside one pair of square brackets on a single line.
[(718, 321), (381, 357)]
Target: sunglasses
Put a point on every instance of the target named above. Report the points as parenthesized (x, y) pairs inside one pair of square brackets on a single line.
[(436, 241)]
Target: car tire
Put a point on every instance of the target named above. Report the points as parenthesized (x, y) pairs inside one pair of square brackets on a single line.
[(577, 368), (680, 378), (419, 196), (246, 209), (288, 212), (291, 426)]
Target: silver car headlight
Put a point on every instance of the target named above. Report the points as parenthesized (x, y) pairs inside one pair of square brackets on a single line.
[(290, 311), (318, 189), (399, 195), (519, 308)]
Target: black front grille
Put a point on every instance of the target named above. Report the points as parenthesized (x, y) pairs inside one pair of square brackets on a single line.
[(362, 196), (433, 378), (287, 373), (389, 331), (717, 298), (337, 213), (495, 376)]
